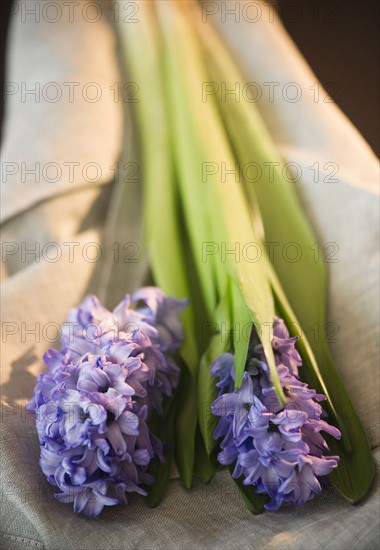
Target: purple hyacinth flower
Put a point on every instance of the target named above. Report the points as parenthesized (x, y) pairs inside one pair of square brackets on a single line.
[(223, 368), (93, 403), (89, 499), (242, 406), (283, 345), (278, 450), (163, 313)]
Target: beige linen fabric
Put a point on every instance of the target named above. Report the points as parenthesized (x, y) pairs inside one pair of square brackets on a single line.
[(72, 121), (38, 291)]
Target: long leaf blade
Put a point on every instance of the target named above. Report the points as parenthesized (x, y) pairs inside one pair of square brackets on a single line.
[(303, 298), (194, 147)]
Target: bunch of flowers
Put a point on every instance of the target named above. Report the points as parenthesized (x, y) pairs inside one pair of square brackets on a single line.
[(92, 404), (278, 450)]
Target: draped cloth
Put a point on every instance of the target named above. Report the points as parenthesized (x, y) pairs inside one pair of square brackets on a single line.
[(53, 229)]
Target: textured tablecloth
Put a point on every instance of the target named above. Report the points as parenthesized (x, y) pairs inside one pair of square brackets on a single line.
[(82, 139)]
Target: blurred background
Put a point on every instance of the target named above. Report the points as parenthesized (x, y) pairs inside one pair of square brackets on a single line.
[(338, 38)]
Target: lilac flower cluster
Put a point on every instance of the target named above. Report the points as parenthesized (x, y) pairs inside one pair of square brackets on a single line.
[(278, 450), (92, 404)]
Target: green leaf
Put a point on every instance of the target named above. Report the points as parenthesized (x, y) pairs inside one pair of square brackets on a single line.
[(194, 148), (355, 473), (253, 501), (185, 426), (303, 297), (205, 465), (163, 226), (241, 329), (165, 432), (161, 472), (220, 342), (187, 159), (161, 220)]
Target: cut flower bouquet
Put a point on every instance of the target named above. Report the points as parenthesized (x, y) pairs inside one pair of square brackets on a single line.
[(215, 380)]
